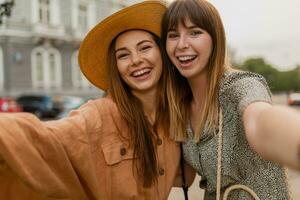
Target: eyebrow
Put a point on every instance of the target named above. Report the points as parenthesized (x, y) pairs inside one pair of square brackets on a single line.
[(139, 43), (193, 26), (188, 27)]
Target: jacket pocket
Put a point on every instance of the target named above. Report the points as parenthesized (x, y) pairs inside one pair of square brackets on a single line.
[(116, 152)]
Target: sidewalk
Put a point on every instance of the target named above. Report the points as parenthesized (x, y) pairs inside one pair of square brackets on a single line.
[(195, 192)]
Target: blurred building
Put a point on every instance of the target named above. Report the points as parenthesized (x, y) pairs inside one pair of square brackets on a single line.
[(39, 45)]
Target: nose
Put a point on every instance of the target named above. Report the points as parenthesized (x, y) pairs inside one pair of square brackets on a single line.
[(135, 59), (182, 42)]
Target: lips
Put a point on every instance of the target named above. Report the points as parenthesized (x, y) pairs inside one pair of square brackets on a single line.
[(186, 60), (141, 72)]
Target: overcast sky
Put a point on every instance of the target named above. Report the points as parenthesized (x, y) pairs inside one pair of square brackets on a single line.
[(266, 28)]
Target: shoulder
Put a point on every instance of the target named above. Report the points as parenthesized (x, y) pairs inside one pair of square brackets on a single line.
[(237, 79), (107, 109), (103, 102), (96, 109), (237, 84), (241, 88), (103, 105)]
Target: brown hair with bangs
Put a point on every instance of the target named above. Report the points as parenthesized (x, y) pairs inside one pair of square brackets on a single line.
[(204, 15), (142, 135)]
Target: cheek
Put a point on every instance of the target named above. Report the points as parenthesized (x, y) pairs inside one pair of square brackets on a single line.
[(209, 45), (169, 48), (121, 68), (160, 67), (156, 58), (209, 51), (158, 63)]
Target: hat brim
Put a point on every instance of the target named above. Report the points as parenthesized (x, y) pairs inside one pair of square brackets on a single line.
[(94, 48)]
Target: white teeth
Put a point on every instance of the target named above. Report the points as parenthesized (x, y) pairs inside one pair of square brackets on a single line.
[(185, 58), (140, 72)]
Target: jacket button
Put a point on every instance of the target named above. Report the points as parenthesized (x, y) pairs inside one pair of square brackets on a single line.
[(159, 141), (122, 151), (161, 171)]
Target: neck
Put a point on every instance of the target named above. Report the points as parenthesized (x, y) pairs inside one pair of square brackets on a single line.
[(148, 100), (199, 89)]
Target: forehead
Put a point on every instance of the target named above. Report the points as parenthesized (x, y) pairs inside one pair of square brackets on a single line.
[(185, 21), (132, 37)]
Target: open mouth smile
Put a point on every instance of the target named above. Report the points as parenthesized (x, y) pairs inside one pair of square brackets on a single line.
[(185, 59), (141, 72)]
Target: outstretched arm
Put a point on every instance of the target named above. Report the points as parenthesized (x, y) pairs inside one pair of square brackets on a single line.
[(274, 133), (46, 156)]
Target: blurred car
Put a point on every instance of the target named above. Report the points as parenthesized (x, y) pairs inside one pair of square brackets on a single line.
[(294, 99), (8, 104), (43, 106), (69, 103)]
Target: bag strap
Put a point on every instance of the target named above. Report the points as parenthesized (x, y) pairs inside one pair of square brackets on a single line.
[(219, 168), (219, 161), (184, 186)]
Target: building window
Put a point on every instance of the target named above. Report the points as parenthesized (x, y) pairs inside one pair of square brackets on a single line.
[(1, 70), (78, 79), (40, 68), (82, 16), (53, 70), (44, 11), (46, 14), (46, 68)]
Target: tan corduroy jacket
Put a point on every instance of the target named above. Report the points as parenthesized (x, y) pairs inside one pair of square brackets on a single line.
[(79, 157)]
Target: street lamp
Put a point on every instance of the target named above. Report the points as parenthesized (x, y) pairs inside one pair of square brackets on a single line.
[(5, 9)]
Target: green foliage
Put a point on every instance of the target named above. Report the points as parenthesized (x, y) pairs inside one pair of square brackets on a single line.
[(277, 80)]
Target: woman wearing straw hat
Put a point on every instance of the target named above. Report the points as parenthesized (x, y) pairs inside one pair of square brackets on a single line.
[(116, 147)]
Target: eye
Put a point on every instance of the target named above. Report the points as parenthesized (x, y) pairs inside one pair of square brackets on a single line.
[(172, 35), (145, 47), (196, 32), (121, 56)]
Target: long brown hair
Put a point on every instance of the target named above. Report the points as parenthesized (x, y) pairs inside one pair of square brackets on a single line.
[(204, 15), (142, 135)]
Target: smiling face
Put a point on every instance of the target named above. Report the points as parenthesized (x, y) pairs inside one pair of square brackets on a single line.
[(189, 48), (138, 60)]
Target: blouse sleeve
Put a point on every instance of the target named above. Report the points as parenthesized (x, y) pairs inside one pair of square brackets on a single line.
[(246, 90), (48, 156)]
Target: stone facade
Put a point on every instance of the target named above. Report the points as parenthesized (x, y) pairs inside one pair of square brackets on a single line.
[(39, 44)]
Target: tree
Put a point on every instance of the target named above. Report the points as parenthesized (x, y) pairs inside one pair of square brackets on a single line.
[(259, 66), (278, 81)]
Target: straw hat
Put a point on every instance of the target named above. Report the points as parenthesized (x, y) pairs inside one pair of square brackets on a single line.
[(94, 48)]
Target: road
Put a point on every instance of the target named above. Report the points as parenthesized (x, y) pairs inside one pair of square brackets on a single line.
[(195, 193)]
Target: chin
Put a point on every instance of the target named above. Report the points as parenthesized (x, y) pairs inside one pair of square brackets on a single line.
[(185, 74), (143, 88)]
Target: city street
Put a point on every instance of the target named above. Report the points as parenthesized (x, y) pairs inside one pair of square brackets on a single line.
[(195, 193)]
